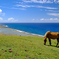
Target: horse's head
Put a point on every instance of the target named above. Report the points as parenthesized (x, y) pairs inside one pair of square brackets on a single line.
[(45, 41)]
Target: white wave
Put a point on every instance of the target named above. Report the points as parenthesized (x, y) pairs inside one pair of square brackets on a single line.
[(30, 34), (37, 35), (19, 31), (6, 26)]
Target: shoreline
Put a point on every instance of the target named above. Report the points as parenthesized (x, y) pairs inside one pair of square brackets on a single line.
[(28, 33), (4, 30)]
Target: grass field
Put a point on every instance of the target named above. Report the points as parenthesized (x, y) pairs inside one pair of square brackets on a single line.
[(26, 47)]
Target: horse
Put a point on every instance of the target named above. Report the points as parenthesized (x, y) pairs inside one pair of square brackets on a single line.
[(51, 35)]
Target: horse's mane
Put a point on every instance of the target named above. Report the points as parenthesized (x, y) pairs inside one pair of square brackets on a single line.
[(52, 33), (47, 33)]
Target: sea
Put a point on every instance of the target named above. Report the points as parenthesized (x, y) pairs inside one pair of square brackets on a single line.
[(34, 28)]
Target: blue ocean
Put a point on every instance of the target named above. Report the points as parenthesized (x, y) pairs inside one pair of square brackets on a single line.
[(34, 28)]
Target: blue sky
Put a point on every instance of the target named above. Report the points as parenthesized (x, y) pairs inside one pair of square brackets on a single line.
[(28, 11)]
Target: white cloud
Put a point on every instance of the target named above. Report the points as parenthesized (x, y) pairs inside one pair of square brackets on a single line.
[(23, 6), (1, 18), (12, 19), (54, 14), (56, 1), (50, 20), (52, 10), (40, 1), (54, 19), (1, 13), (8, 20), (46, 20), (49, 1), (42, 19), (20, 2), (46, 7), (33, 19), (37, 6), (35, 1)]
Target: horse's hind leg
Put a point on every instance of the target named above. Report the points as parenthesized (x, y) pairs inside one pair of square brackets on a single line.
[(50, 41), (57, 41)]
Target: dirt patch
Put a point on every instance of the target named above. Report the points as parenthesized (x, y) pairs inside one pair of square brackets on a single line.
[(10, 50), (26, 50), (5, 50)]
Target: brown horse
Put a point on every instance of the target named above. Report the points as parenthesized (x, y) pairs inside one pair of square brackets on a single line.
[(51, 35)]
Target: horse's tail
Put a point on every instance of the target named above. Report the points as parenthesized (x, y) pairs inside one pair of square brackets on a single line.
[(45, 36)]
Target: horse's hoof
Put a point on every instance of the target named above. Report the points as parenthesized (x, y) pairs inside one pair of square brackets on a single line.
[(44, 44)]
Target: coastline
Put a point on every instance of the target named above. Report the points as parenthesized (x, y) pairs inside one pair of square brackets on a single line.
[(4, 30)]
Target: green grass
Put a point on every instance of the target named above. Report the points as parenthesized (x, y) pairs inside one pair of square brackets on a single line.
[(26, 47)]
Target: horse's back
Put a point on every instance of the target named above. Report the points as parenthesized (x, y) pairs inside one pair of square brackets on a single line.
[(52, 35), (55, 34)]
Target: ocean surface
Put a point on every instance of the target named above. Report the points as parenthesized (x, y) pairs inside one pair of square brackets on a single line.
[(34, 28)]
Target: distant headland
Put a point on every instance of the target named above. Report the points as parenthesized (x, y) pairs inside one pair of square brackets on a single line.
[(3, 26)]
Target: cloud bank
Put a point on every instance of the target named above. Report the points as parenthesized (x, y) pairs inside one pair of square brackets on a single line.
[(53, 20), (54, 14), (35, 6), (41, 1)]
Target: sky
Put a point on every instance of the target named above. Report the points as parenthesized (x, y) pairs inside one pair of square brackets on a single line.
[(29, 11)]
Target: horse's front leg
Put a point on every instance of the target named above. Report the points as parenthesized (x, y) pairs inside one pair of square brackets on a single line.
[(57, 41), (45, 39), (50, 41)]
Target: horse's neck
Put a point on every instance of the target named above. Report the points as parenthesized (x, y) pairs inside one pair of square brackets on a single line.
[(47, 33)]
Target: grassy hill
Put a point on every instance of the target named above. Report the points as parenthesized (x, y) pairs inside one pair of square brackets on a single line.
[(26, 47)]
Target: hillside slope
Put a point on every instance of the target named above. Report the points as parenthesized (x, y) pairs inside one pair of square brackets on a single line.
[(26, 47)]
